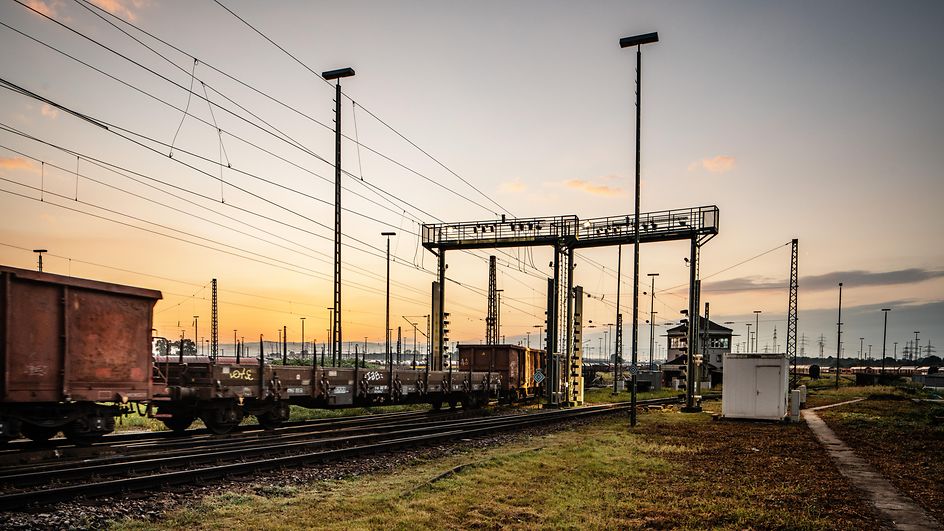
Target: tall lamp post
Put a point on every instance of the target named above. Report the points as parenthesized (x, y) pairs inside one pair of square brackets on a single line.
[(387, 327), (303, 337), (40, 252), (884, 336), (756, 330), (839, 336), (336, 75), (652, 316), (330, 344), (626, 42)]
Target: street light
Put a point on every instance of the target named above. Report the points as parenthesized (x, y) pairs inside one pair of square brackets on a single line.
[(330, 344), (756, 330), (40, 252), (839, 335), (387, 326), (884, 336), (652, 316), (303, 338), (336, 75), (625, 42)]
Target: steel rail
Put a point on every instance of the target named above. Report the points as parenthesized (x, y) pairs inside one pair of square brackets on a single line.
[(407, 438)]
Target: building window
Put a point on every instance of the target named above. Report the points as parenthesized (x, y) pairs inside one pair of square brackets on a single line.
[(719, 342), (678, 342)]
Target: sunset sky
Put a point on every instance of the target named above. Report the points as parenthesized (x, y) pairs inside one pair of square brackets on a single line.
[(809, 120)]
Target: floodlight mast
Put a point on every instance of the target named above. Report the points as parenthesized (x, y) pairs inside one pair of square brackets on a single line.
[(637, 41), (336, 75)]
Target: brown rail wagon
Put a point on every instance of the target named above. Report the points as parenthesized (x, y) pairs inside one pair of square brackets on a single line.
[(71, 351), (515, 365)]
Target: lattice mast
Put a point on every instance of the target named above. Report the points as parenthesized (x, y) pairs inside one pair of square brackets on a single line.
[(491, 320), (792, 308), (214, 324)]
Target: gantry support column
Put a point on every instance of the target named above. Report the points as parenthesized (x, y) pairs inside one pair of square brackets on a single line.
[(693, 294)]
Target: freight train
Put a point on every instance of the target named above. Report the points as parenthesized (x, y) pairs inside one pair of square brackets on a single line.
[(77, 353)]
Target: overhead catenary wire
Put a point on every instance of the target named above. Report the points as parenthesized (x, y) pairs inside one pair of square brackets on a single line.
[(211, 105), (199, 119)]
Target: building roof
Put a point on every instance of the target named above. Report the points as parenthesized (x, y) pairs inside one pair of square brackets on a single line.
[(713, 328)]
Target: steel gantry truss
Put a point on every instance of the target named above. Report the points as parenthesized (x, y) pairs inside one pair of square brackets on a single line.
[(565, 234)]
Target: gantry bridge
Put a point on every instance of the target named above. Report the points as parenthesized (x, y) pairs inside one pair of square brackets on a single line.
[(570, 232), (565, 234)]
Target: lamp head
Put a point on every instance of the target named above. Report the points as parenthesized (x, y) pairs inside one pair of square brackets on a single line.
[(337, 74), (637, 40)]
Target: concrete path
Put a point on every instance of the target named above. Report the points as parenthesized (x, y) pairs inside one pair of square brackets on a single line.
[(903, 512)]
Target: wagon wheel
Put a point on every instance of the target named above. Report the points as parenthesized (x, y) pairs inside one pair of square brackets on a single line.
[(37, 433), (178, 423), (274, 417), (222, 421), (80, 438)]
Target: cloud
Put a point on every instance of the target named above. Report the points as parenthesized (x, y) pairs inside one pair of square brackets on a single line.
[(593, 189), (513, 187), (716, 164), (122, 8), (16, 163), (42, 7), (850, 279), (49, 111)]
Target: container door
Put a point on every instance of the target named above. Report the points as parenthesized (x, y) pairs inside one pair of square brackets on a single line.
[(34, 343), (767, 381)]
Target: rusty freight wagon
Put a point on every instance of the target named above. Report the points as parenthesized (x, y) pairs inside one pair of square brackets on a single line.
[(514, 365), (71, 351)]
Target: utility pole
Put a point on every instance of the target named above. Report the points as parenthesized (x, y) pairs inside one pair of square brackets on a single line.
[(757, 329), (652, 316), (40, 252), (303, 337), (336, 75), (839, 335), (637, 41), (916, 350), (214, 321)]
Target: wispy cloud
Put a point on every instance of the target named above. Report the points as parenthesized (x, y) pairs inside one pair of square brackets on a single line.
[(850, 279), (49, 111), (593, 189), (716, 164), (513, 187), (122, 8), (42, 7), (16, 163)]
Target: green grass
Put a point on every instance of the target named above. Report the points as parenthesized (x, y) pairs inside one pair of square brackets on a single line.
[(605, 395), (674, 471), (302, 413)]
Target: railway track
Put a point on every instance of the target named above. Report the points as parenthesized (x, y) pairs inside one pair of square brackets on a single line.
[(203, 462), (61, 450)]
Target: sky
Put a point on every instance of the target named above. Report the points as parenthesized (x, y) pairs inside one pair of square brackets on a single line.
[(808, 120)]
